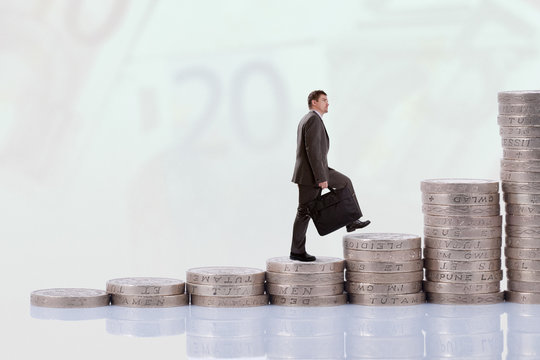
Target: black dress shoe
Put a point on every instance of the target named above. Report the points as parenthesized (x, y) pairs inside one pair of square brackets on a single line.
[(302, 257), (357, 225)]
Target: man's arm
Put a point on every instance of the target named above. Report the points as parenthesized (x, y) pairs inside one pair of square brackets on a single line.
[(313, 132)]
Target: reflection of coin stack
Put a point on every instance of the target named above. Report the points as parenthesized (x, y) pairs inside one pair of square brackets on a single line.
[(226, 286), (147, 292), (523, 334), (519, 120), (305, 332), (384, 333), (383, 269), (462, 229), (296, 283), (226, 333), (464, 332), (146, 322)]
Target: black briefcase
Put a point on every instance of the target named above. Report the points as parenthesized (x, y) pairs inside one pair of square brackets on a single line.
[(334, 210)]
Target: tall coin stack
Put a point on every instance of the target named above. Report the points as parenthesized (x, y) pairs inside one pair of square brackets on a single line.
[(296, 283), (147, 292), (383, 269), (226, 286), (462, 238), (519, 120)]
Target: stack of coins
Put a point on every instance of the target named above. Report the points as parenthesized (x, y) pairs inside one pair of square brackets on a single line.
[(519, 120), (464, 332), (383, 269), (462, 236), (147, 292), (296, 283), (226, 286)]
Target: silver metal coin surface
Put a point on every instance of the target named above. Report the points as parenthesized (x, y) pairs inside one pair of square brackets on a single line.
[(464, 277), (449, 299), (476, 255), (229, 301), (384, 278), (462, 232), (150, 301), (375, 288), (524, 243), (461, 288), (461, 210), (448, 186), (145, 286), (69, 298), (386, 256), (304, 279), (520, 176), (463, 221), (520, 165), (523, 231), (523, 265), (523, 220), (521, 154), (225, 275), (462, 266), (522, 253), (519, 96), (517, 120), (520, 143), (326, 300), (526, 199), (461, 199), (384, 267), (523, 286), (523, 275), (519, 109), (226, 290), (304, 290), (388, 300), (322, 264), (463, 244), (381, 241), (523, 210), (522, 297)]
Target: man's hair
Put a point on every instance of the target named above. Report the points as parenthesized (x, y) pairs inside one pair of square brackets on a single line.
[(314, 95)]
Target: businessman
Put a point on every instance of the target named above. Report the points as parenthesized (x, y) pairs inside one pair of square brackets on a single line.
[(311, 172)]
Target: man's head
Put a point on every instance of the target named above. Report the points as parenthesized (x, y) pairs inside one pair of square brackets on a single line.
[(318, 100)]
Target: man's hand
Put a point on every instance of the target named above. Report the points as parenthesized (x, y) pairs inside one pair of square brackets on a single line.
[(323, 185)]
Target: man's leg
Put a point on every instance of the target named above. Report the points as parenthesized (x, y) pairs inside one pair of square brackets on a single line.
[(337, 180), (306, 193)]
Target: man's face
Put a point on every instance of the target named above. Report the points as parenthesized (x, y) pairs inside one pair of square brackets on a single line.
[(320, 105)]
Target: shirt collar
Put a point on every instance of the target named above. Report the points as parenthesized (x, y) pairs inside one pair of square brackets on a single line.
[(320, 115)]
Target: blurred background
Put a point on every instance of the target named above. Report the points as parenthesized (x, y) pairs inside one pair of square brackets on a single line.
[(143, 138)]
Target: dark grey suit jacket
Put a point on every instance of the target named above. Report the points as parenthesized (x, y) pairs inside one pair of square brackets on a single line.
[(311, 166)]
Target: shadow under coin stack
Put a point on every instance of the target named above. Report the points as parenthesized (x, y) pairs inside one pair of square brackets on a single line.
[(147, 292), (383, 269), (226, 286), (462, 238), (296, 283), (519, 120)]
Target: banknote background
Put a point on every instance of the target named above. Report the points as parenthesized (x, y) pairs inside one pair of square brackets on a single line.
[(145, 138)]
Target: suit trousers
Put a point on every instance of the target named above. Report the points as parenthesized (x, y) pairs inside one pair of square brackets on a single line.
[(306, 194)]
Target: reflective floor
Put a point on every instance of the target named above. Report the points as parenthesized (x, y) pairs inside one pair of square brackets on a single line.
[(343, 332)]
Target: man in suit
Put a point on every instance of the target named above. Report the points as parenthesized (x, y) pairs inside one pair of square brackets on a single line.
[(311, 172)]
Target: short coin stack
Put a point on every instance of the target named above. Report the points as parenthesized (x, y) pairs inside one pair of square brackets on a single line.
[(226, 286), (519, 120), (462, 237), (69, 298), (295, 283), (147, 292), (383, 269)]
